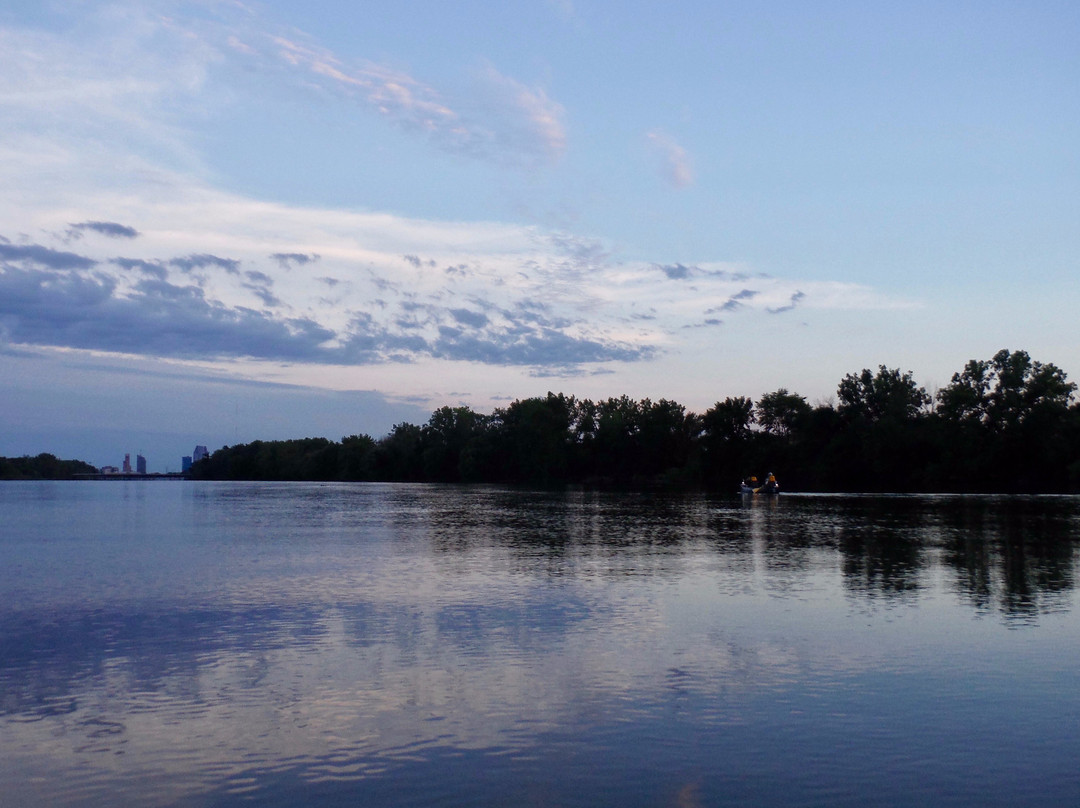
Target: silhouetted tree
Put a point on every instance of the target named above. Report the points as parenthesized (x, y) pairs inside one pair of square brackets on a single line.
[(883, 439), (885, 394), (1009, 419), (666, 434), (1005, 391), (447, 434), (726, 436), (356, 458), (730, 419), (398, 455), (532, 439), (780, 412)]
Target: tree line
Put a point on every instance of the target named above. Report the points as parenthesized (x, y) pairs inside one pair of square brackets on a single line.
[(1005, 424), (42, 467)]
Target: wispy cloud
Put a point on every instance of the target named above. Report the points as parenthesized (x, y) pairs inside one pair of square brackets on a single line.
[(155, 269), (796, 298), (292, 259), (735, 302), (204, 260), (122, 87), (501, 119), (43, 256), (145, 74), (675, 164), (516, 120), (677, 272), (393, 93), (110, 229)]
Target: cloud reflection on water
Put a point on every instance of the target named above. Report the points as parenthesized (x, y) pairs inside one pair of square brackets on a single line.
[(354, 634)]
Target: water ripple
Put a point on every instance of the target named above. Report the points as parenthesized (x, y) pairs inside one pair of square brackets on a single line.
[(428, 645)]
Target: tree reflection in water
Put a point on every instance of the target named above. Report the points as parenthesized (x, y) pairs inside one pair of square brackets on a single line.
[(417, 644), (1014, 555)]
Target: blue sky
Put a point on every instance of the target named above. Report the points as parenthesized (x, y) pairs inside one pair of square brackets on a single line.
[(222, 221)]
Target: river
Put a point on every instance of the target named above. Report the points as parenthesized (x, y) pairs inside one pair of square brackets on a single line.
[(220, 644)]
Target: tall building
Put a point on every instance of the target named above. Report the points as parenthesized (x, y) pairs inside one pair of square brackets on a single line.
[(140, 464), (127, 463), (199, 453), (185, 464)]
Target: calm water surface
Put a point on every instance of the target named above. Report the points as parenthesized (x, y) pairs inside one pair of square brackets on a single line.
[(213, 644)]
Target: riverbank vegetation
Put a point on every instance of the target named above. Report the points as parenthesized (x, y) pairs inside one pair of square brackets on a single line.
[(1006, 424), (43, 467)]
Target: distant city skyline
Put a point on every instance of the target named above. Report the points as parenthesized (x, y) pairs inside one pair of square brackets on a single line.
[(222, 222)]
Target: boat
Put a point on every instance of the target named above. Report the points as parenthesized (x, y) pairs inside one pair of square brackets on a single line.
[(749, 486)]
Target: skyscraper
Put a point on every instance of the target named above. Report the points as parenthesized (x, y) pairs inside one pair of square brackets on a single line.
[(185, 464), (199, 453), (140, 464), (127, 463)]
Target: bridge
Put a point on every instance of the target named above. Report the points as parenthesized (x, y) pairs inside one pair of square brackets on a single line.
[(120, 475)]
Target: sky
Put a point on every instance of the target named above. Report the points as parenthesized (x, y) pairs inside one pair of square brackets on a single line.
[(226, 221)]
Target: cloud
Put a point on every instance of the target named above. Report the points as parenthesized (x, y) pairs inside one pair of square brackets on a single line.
[(735, 302), (117, 83), (157, 318), (43, 256), (152, 268), (103, 124), (19, 353), (796, 298), (537, 347), (677, 272), (474, 319), (501, 119), (150, 306), (110, 229), (203, 260), (417, 262), (515, 120), (393, 93), (290, 260), (133, 81), (708, 322), (675, 165), (684, 297), (215, 280), (584, 252), (259, 284)]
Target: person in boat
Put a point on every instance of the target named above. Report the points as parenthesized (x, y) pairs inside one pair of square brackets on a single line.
[(748, 485), (771, 485)]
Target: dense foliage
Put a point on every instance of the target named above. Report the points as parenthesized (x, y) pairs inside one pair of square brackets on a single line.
[(42, 467), (1006, 424)]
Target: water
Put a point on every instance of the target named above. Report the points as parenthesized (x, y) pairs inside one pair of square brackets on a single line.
[(166, 643)]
